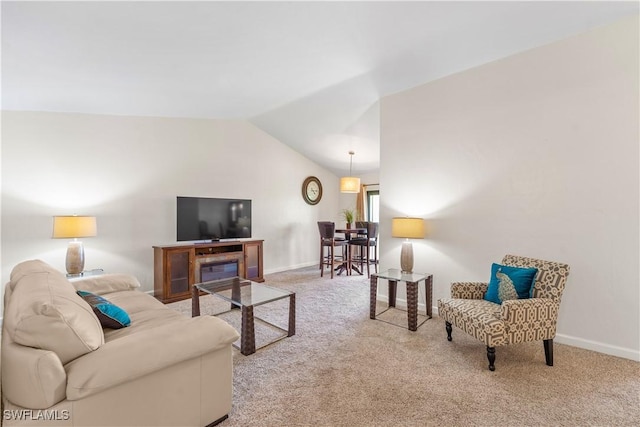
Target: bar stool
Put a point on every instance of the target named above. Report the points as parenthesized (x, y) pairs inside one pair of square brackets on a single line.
[(328, 240), (366, 244)]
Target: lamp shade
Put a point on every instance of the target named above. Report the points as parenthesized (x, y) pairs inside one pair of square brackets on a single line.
[(349, 184), (410, 228), (65, 227)]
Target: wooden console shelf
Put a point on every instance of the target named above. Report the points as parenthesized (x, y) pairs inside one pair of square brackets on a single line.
[(177, 267)]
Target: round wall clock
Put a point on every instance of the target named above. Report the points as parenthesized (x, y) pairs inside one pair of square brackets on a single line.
[(312, 190)]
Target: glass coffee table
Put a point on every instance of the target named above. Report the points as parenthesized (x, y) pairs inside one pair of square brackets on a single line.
[(245, 295)]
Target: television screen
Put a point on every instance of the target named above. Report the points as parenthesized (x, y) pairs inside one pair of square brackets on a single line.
[(202, 218)]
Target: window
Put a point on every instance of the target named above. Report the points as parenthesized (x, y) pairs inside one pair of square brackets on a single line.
[(373, 205)]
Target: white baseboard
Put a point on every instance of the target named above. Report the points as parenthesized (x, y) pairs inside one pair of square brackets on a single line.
[(612, 350), (290, 267), (626, 353)]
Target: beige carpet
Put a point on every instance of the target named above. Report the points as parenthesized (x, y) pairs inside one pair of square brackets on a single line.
[(343, 369)]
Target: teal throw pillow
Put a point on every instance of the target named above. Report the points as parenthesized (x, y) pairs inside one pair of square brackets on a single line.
[(510, 283), (109, 314)]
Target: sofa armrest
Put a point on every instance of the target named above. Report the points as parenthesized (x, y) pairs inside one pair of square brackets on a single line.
[(532, 314), (31, 377), (469, 290), (106, 283), (145, 352)]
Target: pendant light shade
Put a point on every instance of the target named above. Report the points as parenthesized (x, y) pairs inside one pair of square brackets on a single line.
[(350, 184)]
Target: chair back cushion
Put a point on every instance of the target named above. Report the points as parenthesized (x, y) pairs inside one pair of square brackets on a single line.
[(551, 277), (372, 231), (327, 229), (370, 237)]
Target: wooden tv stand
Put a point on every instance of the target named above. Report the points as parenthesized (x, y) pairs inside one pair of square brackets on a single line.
[(177, 267)]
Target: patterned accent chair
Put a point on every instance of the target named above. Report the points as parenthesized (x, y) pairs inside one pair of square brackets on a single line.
[(513, 321)]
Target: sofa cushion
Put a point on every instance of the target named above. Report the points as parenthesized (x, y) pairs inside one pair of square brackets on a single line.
[(145, 311), (45, 312), (479, 318), (109, 314), (510, 283), (150, 350)]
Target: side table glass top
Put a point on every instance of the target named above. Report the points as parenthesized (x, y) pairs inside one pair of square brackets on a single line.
[(398, 275), (85, 274), (242, 292)]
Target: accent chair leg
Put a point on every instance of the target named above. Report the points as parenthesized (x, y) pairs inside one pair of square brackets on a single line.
[(491, 355), (548, 351), (448, 327)]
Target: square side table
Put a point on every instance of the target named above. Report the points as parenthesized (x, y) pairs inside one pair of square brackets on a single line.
[(412, 280)]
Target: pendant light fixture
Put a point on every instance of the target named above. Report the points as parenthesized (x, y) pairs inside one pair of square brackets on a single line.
[(350, 184)]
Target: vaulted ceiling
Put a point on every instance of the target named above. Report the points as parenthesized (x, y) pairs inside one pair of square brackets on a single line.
[(309, 73)]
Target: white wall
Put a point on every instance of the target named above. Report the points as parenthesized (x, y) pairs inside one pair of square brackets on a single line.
[(536, 155), (127, 171)]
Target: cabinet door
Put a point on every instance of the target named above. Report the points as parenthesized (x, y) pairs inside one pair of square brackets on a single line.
[(178, 272), (253, 261)]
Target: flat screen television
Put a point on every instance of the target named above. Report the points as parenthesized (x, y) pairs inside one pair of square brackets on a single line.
[(206, 218)]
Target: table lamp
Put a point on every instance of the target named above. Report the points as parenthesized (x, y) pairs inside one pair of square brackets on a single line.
[(407, 228), (65, 227)]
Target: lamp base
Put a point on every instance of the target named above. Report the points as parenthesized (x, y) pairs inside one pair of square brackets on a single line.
[(406, 257), (75, 258)]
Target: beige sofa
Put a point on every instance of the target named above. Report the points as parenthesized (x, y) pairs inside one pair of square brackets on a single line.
[(61, 368)]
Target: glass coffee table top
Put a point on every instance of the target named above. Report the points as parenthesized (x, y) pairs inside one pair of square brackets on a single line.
[(242, 292), (401, 276)]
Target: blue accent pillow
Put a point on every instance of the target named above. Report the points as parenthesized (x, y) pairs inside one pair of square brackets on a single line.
[(109, 314), (510, 283)]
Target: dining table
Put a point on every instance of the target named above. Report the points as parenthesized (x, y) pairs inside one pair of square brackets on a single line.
[(348, 232)]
